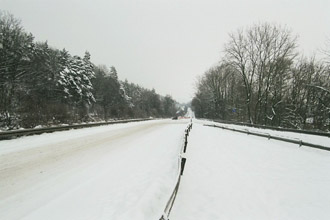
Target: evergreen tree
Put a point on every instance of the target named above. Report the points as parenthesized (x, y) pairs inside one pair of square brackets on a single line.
[(15, 50)]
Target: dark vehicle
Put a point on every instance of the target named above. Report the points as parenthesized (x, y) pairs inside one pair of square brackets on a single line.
[(175, 118)]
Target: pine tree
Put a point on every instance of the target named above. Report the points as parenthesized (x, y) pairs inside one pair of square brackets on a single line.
[(15, 50)]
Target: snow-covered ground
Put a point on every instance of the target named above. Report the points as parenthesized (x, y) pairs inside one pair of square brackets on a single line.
[(190, 113), (320, 140), (124, 171), (229, 175), (128, 171)]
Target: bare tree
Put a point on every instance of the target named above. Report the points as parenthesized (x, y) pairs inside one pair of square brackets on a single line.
[(262, 54), (218, 93), (308, 95)]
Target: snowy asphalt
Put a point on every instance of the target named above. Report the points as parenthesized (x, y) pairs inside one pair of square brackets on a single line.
[(108, 172), (128, 171)]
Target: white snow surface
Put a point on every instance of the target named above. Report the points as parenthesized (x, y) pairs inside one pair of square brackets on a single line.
[(128, 171), (315, 139), (229, 175), (190, 113), (124, 171)]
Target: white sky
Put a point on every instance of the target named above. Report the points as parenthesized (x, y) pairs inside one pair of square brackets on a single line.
[(163, 44)]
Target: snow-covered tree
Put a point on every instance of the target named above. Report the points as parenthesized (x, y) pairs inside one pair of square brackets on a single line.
[(15, 47)]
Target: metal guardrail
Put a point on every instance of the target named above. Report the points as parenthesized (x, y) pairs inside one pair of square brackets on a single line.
[(26, 132), (274, 128), (182, 162), (299, 142)]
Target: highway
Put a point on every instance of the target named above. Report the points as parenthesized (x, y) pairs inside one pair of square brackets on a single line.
[(106, 172)]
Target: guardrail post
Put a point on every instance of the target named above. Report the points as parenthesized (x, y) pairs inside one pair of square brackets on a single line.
[(183, 163), (185, 146)]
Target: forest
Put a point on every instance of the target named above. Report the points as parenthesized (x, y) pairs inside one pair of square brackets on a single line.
[(42, 86), (262, 79)]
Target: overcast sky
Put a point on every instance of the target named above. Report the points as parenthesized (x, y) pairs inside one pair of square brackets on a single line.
[(163, 44)]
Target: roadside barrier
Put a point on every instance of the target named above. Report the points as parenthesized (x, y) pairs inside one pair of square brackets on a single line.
[(182, 162), (33, 131), (299, 142), (273, 128)]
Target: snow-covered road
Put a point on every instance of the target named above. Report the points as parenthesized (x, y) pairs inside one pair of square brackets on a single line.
[(123, 171), (229, 175), (128, 171)]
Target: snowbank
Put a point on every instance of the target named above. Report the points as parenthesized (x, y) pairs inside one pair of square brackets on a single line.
[(230, 175)]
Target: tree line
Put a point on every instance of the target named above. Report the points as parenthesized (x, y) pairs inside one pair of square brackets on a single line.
[(41, 85), (262, 79)]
